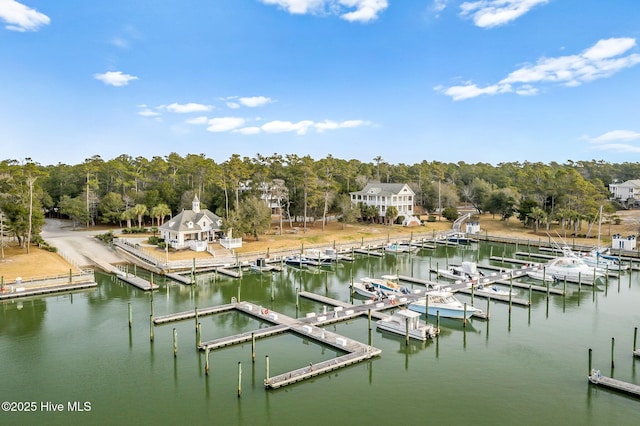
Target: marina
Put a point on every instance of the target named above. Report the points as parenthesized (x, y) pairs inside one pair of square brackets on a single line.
[(296, 318)]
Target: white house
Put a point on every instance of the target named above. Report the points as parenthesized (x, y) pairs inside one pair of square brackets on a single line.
[(193, 228), (385, 195), (626, 191)]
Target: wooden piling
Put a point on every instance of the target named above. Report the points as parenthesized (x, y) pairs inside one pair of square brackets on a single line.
[(406, 331), (151, 328), (253, 347), (130, 315), (239, 379), (464, 319), (369, 317), (206, 361), (199, 335), (590, 356), (613, 344), (266, 366), (488, 306), (175, 343), (196, 318), (635, 338)]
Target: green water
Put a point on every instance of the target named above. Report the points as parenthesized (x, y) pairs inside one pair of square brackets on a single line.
[(527, 367)]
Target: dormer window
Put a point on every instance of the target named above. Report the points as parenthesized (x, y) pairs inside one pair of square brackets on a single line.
[(190, 225)]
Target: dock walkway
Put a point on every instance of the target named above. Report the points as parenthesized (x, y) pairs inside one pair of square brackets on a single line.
[(610, 383), (135, 281)]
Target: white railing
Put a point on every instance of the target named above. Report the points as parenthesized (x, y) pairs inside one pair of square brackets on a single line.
[(231, 243)]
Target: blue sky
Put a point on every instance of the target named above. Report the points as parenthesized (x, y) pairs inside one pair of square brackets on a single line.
[(408, 80)]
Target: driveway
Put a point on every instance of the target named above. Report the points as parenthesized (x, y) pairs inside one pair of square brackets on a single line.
[(79, 246)]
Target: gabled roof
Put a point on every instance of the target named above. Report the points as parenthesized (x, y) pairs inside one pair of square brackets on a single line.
[(634, 182), (384, 189), (179, 223)]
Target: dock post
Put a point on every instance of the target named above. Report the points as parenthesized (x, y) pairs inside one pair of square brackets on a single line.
[(464, 319), (266, 366), (488, 306), (239, 287), (151, 328), (2, 283), (635, 338), (437, 271), (70, 275), (510, 289), (199, 334), (239, 378), (130, 315), (613, 344), (253, 347), (297, 297), (273, 291), (369, 316), (151, 303), (564, 286), (175, 343), (472, 292), (594, 279), (590, 356), (196, 309), (548, 288), (206, 361), (406, 331), (438, 321), (544, 274), (530, 293)]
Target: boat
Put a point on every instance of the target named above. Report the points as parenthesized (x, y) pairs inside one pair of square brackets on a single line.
[(467, 271), (400, 248), (570, 268), (385, 283), (369, 291), (460, 238), (318, 257), (597, 259), (296, 260), (405, 320), (493, 290), (445, 303)]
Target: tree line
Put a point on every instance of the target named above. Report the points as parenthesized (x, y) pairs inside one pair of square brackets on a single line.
[(127, 190)]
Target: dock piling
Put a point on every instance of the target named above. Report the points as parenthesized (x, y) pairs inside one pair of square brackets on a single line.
[(253, 347), (199, 335), (239, 378), (175, 343), (635, 338), (206, 361), (590, 356), (130, 315), (266, 366), (613, 344), (151, 328)]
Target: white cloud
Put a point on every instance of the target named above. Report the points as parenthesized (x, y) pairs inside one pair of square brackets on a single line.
[(597, 61), (114, 78), (187, 108), (333, 125), (493, 13), (278, 126), (148, 113), (617, 135), (197, 120), (365, 10), (20, 17), (233, 105), (224, 124), (248, 130), (254, 101)]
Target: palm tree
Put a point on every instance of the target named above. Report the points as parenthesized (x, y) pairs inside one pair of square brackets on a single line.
[(138, 211), (378, 160)]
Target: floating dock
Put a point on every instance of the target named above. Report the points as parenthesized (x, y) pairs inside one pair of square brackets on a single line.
[(138, 282), (20, 292), (618, 385), (181, 316), (180, 278)]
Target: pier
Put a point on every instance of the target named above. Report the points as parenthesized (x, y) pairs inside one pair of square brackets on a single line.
[(181, 316), (19, 292), (610, 383), (135, 281)]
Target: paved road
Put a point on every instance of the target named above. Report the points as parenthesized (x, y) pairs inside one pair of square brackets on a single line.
[(78, 246)]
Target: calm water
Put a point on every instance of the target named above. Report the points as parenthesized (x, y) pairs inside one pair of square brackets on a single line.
[(528, 367)]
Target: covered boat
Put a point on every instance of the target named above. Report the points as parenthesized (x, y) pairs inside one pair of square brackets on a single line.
[(404, 321)]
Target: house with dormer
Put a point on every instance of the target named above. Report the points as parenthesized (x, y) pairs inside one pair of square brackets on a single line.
[(385, 195), (193, 229)]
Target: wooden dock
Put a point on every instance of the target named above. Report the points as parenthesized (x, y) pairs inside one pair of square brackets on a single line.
[(618, 385), (179, 278), (185, 315), (138, 282), (369, 251), (39, 291), (229, 272)]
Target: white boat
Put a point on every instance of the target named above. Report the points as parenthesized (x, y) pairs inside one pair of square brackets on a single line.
[(492, 290), (573, 269), (596, 259), (405, 320), (385, 283), (445, 303), (467, 271), (369, 291), (400, 248)]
